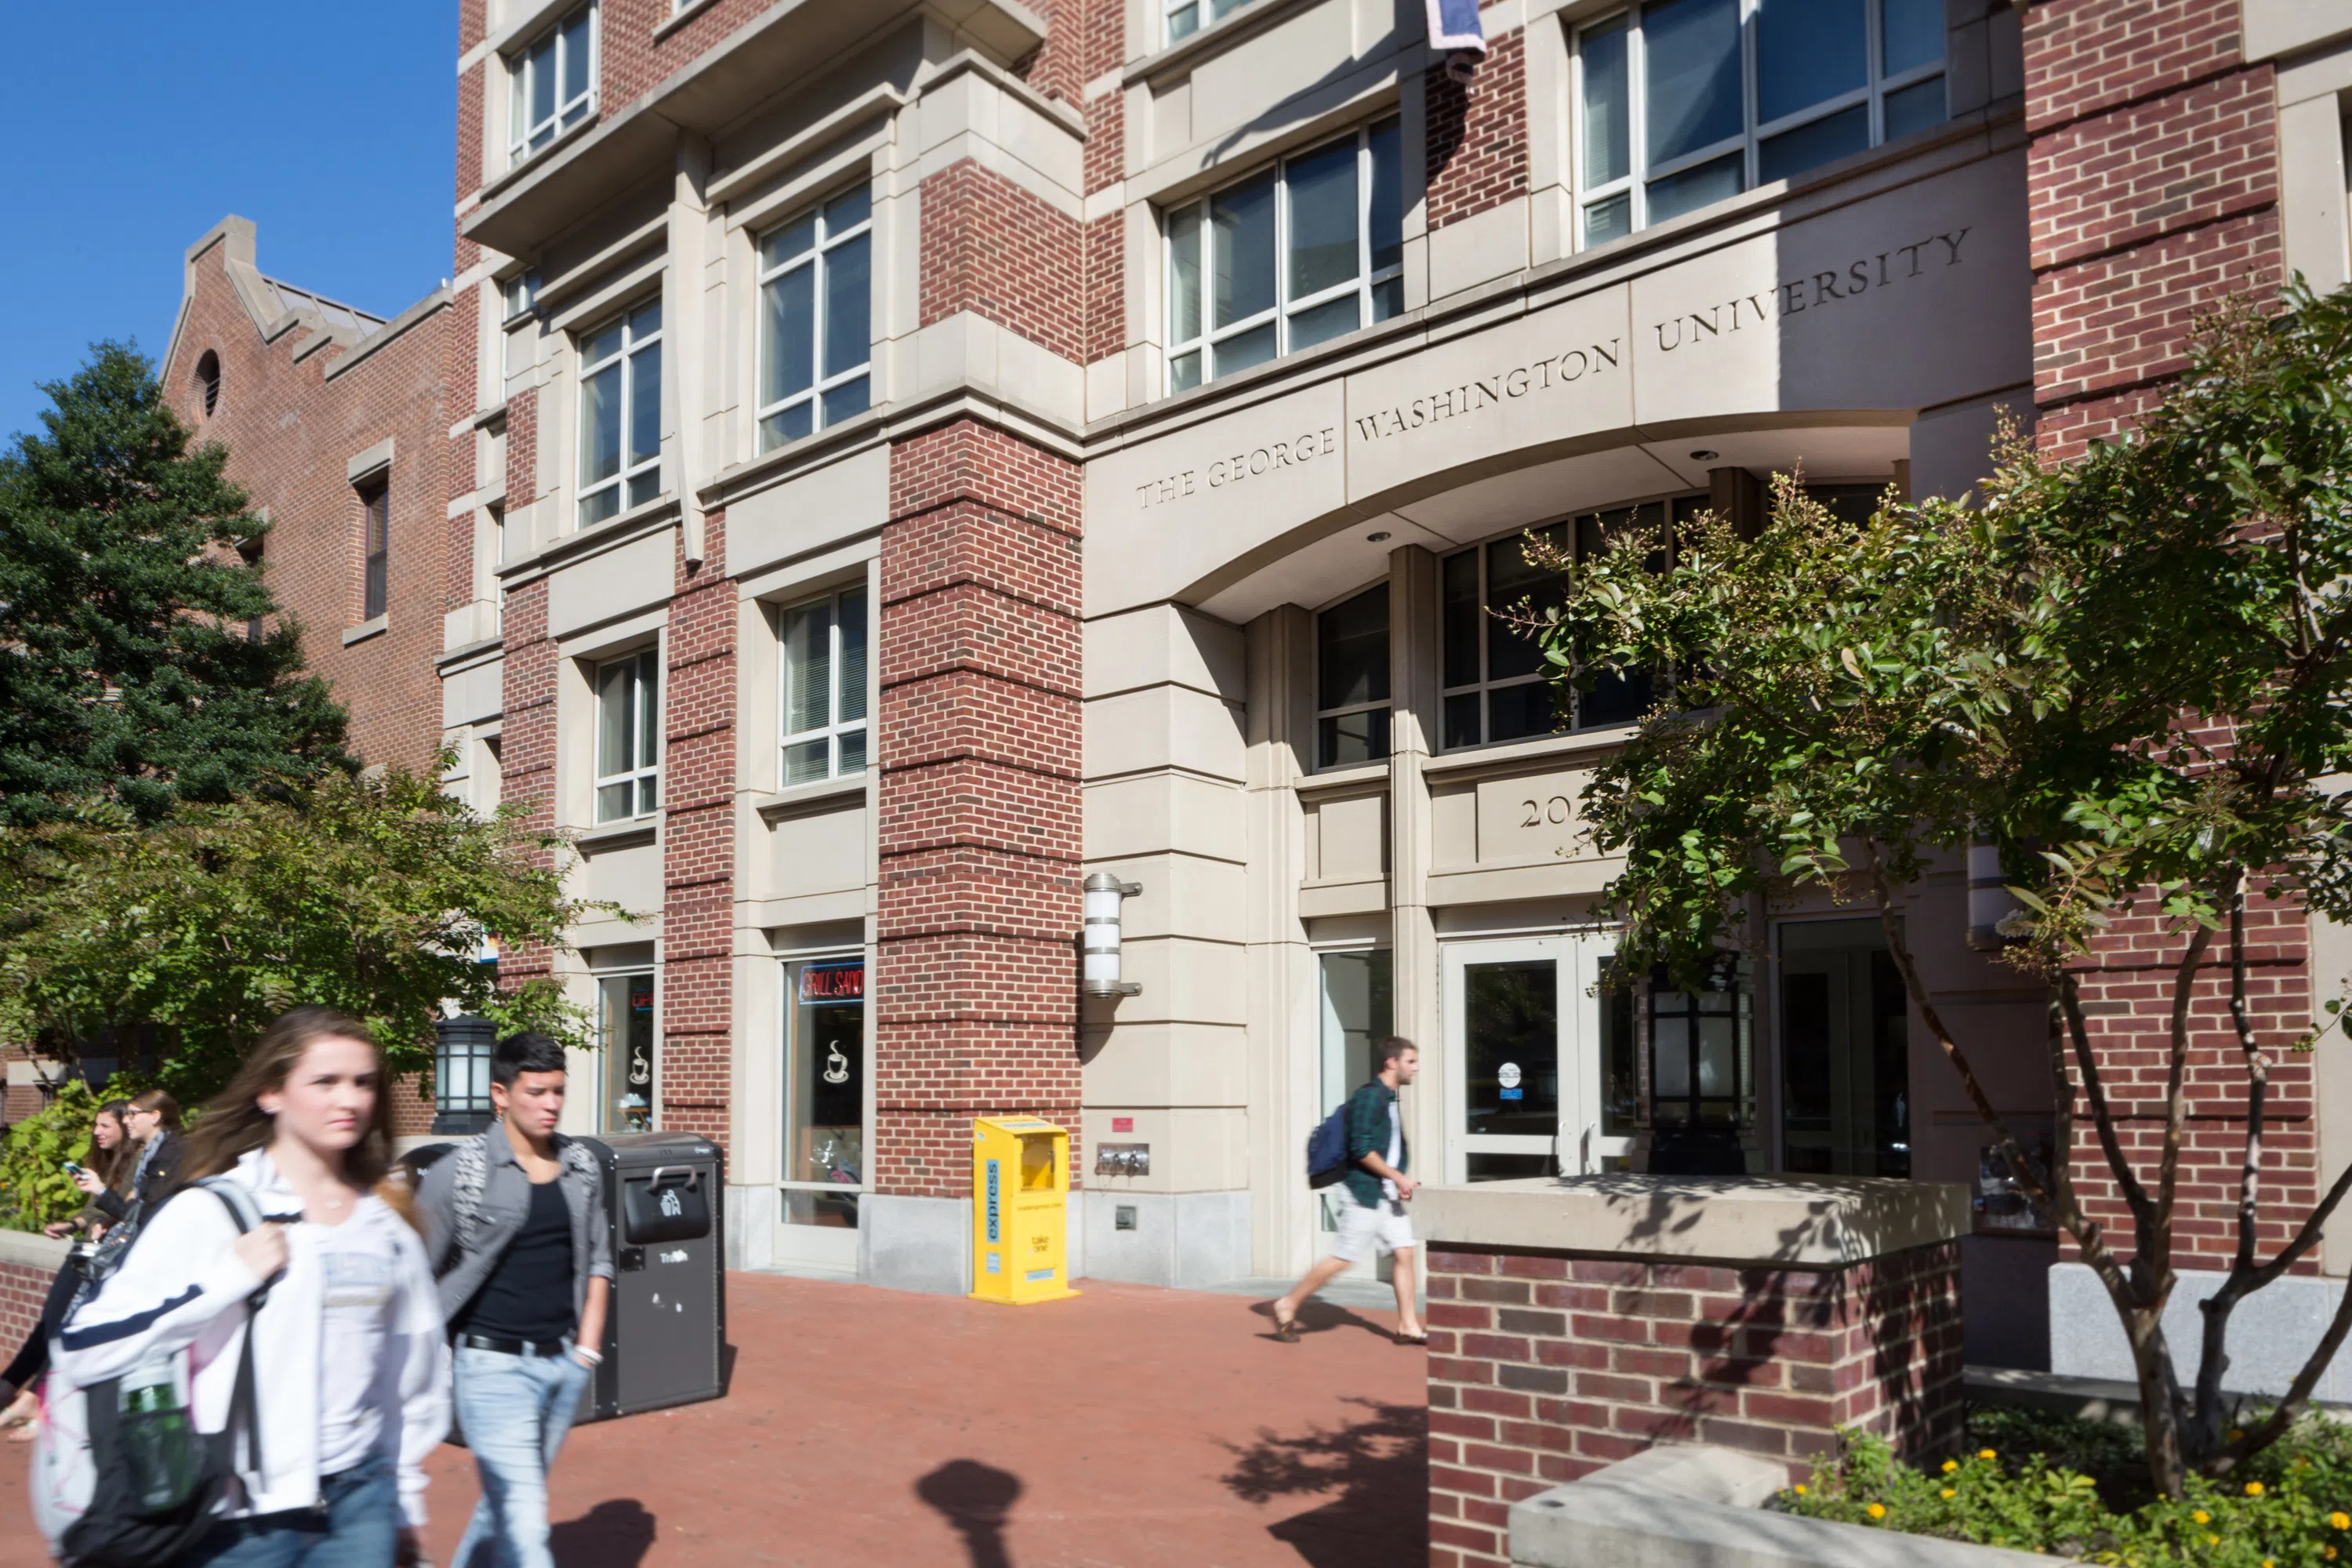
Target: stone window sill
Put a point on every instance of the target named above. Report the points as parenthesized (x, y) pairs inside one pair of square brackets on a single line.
[(366, 629), (619, 836), (802, 800), (680, 17)]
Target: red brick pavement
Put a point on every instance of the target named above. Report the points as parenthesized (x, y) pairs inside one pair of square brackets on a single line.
[(1140, 1427)]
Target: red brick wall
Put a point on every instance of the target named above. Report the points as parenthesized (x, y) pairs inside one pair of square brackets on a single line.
[(998, 250), (698, 843), (23, 1289), (290, 432), (1478, 134), (975, 972), (1544, 1367), (2153, 184)]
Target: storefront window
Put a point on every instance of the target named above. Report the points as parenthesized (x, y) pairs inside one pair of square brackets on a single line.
[(1682, 103), (824, 1091), (1358, 1009), (1351, 681), (625, 1021)]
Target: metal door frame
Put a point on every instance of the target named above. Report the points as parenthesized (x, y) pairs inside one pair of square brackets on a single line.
[(1577, 1142)]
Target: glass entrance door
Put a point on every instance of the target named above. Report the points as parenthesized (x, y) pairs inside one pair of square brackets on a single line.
[(1531, 1057), (824, 1112)]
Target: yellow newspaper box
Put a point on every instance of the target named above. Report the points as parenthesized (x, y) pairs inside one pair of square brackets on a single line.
[(1020, 1210)]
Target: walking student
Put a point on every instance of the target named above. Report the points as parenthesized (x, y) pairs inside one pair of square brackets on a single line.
[(110, 1168), (350, 1371), (516, 1222), (1371, 1195)]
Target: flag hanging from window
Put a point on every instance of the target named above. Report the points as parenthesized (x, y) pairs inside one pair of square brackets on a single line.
[(1454, 32)]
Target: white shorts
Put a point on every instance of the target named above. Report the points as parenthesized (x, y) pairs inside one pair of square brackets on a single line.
[(1380, 1226)]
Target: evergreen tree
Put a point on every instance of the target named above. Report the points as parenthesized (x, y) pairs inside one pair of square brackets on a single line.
[(126, 668)]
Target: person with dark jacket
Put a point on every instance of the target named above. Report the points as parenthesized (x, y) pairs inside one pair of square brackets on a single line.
[(514, 1224), (110, 1154), (1372, 1196), (154, 1123)]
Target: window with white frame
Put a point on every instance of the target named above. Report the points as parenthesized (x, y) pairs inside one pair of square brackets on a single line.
[(817, 321), (553, 84), (823, 723), (1498, 686), (1186, 18), (520, 297), (1352, 679), (1685, 102), (1286, 259), (628, 737), (620, 413)]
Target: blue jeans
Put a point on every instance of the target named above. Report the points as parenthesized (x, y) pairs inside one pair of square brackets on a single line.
[(514, 1410), (360, 1528)]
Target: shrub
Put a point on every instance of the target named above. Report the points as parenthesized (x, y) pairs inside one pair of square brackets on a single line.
[(33, 1186), (2079, 1488)]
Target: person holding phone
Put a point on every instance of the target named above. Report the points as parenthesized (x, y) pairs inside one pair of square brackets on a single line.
[(352, 1393), (109, 1146), (152, 1122)]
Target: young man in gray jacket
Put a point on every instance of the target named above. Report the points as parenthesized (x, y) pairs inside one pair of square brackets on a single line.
[(514, 1224)]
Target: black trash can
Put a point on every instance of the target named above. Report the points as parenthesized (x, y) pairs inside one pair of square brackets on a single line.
[(666, 1333)]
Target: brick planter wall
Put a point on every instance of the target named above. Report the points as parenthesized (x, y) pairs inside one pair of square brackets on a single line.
[(1543, 1367)]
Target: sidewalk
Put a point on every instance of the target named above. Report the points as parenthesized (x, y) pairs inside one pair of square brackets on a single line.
[(1130, 1427)]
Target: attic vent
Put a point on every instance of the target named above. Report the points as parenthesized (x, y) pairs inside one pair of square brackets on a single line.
[(208, 381)]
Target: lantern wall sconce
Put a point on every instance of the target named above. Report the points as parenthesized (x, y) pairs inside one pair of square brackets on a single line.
[(1098, 942)]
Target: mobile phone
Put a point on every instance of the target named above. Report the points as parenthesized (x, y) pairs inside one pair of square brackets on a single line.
[(73, 1168)]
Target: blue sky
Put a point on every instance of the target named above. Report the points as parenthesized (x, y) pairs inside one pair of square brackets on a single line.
[(138, 125)]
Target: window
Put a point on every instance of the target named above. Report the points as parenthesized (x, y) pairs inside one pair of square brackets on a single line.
[(1498, 686), (554, 84), (620, 414), (823, 725), (1359, 1008), (208, 381), (250, 549), (1683, 104), (628, 737), (1351, 681), (519, 298), (521, 293), (1286, 260), (1700, 1044), (824, 1091), (817, 325), (375, 529), (624, 1025), (1186, 18)]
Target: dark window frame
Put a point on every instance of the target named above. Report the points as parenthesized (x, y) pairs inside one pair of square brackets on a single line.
[(375, 546)]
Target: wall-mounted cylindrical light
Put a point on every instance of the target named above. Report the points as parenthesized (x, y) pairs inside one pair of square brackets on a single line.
[(1989, 900), (1098, 942)]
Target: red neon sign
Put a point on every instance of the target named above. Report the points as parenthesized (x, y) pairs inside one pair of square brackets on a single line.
[(833, 981)]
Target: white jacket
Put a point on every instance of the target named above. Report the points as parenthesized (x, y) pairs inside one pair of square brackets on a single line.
[(183, 1286)]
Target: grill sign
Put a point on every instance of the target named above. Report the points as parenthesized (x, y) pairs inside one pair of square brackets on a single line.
[(833, 981)]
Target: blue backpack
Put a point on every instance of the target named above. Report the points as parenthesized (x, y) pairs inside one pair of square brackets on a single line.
[(1326, 1149)]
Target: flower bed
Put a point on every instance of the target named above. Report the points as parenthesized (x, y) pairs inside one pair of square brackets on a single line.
[(2036, 1482)]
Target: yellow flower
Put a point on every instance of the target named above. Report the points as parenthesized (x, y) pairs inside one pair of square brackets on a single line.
[(1950, 1465), (2253, 1488), (2201, 1517), (2212, 1541), (1800, 1489), (1987, 1454), (2331, 1554), (1877, 1510), (1950, 1492), (2341, 1519)]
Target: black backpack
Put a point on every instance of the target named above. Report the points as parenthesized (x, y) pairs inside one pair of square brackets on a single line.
[(156, 1480)]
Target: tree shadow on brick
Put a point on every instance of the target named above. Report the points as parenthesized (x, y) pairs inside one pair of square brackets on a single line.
[(1378, 1468), (977, 1501)]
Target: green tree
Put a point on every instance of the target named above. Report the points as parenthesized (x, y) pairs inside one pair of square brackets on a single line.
[(2130, 674), (126, 669), (377, 895)]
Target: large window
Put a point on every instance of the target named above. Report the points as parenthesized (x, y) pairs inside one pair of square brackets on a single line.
[(1289, 257), (626, 1023), (628, 737), (1683, 103), (375, 544), (1700, 1074), (553, 84), (1351, 681), (824, 724), (1498, 686), (816, 320), (620, 413), (824, 1091)]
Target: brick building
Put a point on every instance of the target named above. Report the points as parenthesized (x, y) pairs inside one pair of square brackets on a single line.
[(904, 458)]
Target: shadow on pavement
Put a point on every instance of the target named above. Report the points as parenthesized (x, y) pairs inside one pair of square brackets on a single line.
[(1379, 1467), (976, 1499), (1318, 1316), (615, 1535)]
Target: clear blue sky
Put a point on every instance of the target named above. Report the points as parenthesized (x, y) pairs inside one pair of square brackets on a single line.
[(137, 126)]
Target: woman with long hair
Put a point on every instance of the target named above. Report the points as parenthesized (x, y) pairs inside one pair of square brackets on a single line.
[(352, 1394), (151, 1121), (109, 1146)]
